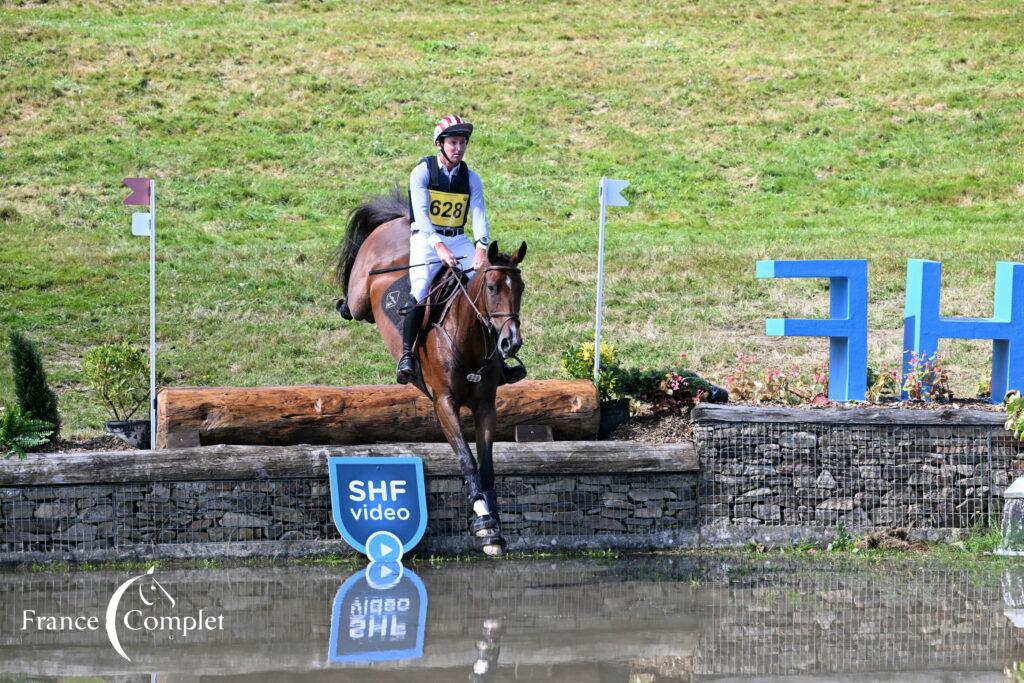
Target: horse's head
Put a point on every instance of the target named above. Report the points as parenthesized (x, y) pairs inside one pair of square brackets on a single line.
[(502, 294)]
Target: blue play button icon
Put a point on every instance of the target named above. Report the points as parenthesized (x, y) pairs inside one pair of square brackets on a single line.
[(383, 547), (383, 575)]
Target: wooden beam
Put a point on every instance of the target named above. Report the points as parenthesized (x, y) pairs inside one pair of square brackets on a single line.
[(271, 462), (940, 416), (361, 414)]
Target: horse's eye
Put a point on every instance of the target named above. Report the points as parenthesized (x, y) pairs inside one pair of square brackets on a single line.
[(492, 289)]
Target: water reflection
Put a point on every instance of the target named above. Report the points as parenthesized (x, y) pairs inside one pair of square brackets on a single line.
[(379, 615), (637, 619)]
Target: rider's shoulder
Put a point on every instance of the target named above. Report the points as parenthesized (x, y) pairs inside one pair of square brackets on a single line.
[(421, 170)]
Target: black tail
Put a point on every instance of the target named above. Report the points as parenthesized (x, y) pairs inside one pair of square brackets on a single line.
[(362, 221)]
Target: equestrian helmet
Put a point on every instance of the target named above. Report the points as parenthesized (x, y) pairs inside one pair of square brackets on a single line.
[(450, 126)]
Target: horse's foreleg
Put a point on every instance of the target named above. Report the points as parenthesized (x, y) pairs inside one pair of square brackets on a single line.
[(485, 420), (448, 416)]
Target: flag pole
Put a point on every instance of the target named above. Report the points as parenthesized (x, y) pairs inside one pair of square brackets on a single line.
[(610, 194), (152, 314), (600, 283)]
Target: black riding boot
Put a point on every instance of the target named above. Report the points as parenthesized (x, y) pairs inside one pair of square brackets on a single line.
[(406, 369)]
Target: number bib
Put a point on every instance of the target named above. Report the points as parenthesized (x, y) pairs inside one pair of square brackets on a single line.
[(447, 209)]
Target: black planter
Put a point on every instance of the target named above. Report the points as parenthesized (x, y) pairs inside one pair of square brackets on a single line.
[(613, 413), (135, 433)]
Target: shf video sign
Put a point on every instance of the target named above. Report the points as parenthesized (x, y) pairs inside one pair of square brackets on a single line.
[(379, 504)]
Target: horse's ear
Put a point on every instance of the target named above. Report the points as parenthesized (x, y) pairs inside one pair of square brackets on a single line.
[(521, 254), (492, 251)]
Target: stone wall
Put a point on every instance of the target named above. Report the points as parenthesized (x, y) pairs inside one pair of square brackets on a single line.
[(260, 515), (862, 469)]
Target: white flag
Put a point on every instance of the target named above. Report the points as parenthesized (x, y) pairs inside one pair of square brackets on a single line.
[(142, 224), (611, 192)]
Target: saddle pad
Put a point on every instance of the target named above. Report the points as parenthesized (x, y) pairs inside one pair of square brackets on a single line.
[(394, 299)]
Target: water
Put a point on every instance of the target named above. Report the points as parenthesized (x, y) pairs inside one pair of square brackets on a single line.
[(633, 620)]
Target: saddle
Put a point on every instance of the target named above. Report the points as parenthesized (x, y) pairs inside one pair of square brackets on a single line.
[(442, 291)]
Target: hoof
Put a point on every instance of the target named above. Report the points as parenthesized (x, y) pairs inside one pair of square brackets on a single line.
[(494, 549)]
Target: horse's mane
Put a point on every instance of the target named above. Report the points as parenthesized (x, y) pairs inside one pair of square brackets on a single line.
[(370, 214)]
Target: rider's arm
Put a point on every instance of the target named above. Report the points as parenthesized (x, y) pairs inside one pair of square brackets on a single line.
[(481, 229), (419, 179)]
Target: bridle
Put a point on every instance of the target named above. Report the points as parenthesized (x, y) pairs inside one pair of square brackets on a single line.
[(486, 320)]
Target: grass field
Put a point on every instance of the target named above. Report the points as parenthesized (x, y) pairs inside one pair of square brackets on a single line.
[(819, 128)]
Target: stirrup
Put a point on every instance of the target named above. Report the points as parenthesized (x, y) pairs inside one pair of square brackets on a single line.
[(510, 374)]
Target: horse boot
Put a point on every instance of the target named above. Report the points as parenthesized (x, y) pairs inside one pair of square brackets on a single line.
[(510, 374), (486, 528), (341, 306), (406, 370)]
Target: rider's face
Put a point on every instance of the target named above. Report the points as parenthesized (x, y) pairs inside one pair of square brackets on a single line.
[(454, 147)]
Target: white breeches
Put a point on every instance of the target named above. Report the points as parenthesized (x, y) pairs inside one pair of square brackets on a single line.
[(420, 251)]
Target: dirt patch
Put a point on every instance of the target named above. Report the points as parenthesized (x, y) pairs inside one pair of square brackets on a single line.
[(889, 539), (100, 443), (660, 428)]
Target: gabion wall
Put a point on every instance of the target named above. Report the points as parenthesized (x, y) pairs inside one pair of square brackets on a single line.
[(861, 476), (59, 521)]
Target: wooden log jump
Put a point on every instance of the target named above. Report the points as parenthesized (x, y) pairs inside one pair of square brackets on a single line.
[(365, 414)]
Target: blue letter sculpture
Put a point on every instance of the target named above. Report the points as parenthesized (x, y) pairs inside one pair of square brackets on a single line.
[(923, 326), (846, 327)]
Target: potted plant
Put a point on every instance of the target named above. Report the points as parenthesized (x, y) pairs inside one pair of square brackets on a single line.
[(578, 363), (119, 374)]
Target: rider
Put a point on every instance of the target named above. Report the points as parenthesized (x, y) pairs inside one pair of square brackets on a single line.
[(443, 193)]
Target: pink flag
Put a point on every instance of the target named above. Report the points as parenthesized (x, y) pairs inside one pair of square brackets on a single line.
[(140, 191)]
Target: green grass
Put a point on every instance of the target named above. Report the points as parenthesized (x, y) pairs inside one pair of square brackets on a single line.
[(748, 130), (977, 546)]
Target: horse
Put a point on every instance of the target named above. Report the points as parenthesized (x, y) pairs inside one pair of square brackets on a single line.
[(466, 337)]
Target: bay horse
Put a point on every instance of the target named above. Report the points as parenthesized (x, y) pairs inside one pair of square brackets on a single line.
[(461, 348)]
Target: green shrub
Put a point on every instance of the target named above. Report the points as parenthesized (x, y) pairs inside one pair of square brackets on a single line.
[(120, 375), (30, 385), (578, 363), (19, 431)]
